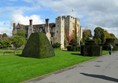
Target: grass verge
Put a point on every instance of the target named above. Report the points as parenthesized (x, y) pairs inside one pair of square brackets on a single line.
[(14, 69)]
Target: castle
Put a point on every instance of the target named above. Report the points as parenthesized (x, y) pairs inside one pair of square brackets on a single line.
[(62, 31)]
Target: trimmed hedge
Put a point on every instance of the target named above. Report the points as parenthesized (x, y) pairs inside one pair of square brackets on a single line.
[(91, 50), (38, 46)]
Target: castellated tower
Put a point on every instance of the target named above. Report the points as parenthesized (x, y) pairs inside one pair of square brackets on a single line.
[(67, 28), (59, 30), (30, 28)]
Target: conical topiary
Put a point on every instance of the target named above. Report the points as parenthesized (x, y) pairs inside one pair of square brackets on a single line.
[(38, 46)]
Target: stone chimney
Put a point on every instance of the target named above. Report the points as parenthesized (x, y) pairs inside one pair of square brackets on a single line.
[(30, 22), (47, 23), (30, 28), (14, 25), (47, 29)]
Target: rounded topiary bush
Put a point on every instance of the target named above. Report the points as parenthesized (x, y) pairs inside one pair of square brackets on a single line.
[(38, 46)]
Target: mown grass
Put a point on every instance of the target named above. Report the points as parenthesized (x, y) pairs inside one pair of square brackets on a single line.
[(14, 69)]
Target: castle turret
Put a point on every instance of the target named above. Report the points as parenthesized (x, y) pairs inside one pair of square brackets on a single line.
[(67, 28), (59, 30)]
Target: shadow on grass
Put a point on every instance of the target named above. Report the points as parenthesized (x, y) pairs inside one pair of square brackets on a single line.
[(104, 77), (76, 54), (20, 55)]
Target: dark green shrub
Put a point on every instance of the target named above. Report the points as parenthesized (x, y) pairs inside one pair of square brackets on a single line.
[(74, 42), (69, 48), (38, 46), (110, 41), (72, 45), (115, 48), (91, 50), (73, 48), (90, 42), (105, 47), (56, 45), (78, 48), (116, 44)]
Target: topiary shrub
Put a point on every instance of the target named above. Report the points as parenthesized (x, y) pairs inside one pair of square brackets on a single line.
[(91, 50), (38, 46)]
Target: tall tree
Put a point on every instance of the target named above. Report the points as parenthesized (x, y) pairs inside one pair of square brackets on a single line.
[(106, 35), (86, 34), (4, 43), (4, 35), (99, 35), (18, 41), (112, 35), (21, 33)]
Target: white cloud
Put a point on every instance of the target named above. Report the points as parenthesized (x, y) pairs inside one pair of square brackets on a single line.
[(90, 12), (19, 18), (93, 12), (16, 14), (8, 31), (5, 27)]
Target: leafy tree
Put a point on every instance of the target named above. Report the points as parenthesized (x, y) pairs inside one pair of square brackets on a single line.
[(18, 41), (97, 41), (4, 43), (106, 36), (21, 33), (4, 35), (100, 35), (86, 35), (112, 35)]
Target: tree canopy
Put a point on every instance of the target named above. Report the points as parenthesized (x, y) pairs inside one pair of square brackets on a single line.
[(21, 33), (4, 35), (4, 43), (100, 35), (18, 41), (86, 34)]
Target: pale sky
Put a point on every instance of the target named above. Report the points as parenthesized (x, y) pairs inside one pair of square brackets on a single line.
[(92, 13)]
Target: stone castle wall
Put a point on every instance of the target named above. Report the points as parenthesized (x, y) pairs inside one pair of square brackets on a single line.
[(62, 32)]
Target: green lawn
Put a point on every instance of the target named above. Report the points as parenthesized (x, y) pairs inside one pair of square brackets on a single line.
[(14, 69)]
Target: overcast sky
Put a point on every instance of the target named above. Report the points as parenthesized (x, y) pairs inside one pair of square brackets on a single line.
[(92, 13)]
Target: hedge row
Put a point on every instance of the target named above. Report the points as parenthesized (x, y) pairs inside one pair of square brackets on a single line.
[(91, 50)]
